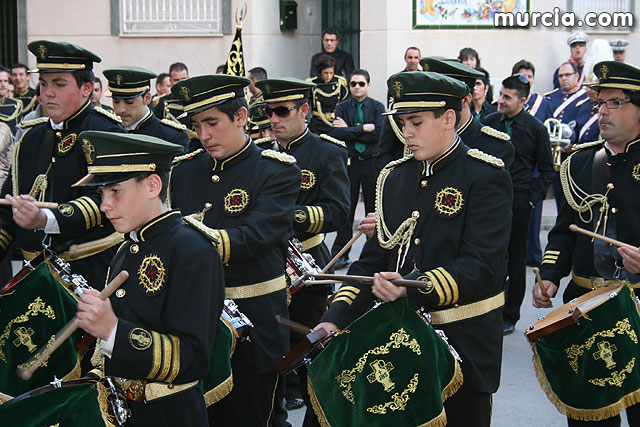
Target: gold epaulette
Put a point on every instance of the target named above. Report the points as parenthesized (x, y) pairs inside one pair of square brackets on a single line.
[(495, 133), (188, 156), (209, 233), (582, 101), (283, 157), (577, 147), (173, 124), (263, 140), (334, 140), (310, 79), (113, 116), (488, 158), (342, 80), (392, 164), (30, 123)]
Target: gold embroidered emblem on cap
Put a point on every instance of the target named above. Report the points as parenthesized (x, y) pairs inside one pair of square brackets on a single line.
[(87, 147), (397, 88), (635, 173), (448, 201), (308, 179), (151, 273), (186, 94), (604, 70), (300, 216), (140, 339), (267, 89), (118, 79), (66, 144), (236, 200), (66, 210), (42, 50)]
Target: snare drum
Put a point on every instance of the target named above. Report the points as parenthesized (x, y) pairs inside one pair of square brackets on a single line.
[(81, 402), (299, 266), (586, 353), (34, 305)]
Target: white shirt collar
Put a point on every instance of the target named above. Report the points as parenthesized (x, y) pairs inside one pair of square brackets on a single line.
[(135, 125)]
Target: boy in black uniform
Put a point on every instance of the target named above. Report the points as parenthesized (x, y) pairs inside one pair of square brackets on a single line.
[(607, 175), (247, 196), (130, 93), (50, 157), (442, 202), (323, 202), (158, 329)]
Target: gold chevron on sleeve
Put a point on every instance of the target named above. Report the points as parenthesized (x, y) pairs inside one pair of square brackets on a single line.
[(175, 359), (85, 213), (166, 358), (94, 208), (223, 244), (550, 257), (157, 355), (437, 285), (5, 239), (453, 286)]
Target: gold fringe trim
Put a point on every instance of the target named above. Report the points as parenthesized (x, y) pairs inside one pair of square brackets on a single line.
[(221, 390), (577, 413), (439, 421), (103, 401)]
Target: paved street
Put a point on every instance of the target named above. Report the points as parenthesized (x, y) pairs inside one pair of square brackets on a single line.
[(519, 401)]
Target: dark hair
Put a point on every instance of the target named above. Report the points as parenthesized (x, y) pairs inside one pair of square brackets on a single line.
[(96, 79), (468, 52), (439, 112), (523, 64), (164, 178), (634, 96), (37, 89), (411, 48), (178, 66), (514, 82), (221, 68), (361, 72), (324, 62), (571, 64), (19, 65), (258, 73), (231, 107), (162, 77), (84, 76), (6, 70), (331, 30)]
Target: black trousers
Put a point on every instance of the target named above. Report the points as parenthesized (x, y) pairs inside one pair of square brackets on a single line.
[(251, 400), (468, 408), (186, 408), (360, 172), (633, 418), (517, 265)]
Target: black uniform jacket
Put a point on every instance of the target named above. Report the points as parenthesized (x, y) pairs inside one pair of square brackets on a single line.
[(372, 112), (62, 156), (568, 250), (326, 97), (165, 129), (28, 99), (463, 210), (252, 195), (485, 138), (10, 113), (323, 203)]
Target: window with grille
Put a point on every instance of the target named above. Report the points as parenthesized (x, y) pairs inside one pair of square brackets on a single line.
[(609, 15), (170, 17)]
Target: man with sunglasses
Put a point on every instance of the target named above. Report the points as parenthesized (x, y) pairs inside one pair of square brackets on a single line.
[(607, 172), (246, 196), (357, 123), (531, 142), (323, 202)]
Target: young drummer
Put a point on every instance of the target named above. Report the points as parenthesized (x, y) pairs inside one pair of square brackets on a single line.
[(157, 330)]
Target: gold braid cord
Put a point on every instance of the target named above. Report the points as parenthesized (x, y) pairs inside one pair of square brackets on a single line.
[(586, 201), (16, 113), (402, 236)]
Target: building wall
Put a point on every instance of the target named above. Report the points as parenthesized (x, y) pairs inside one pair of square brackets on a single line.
[(386, 31)]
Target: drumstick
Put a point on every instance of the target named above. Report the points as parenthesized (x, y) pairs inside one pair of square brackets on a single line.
[(342, 251), (536, 271), (294, 326), (5, 397), (369, 280), (609, 240), (45, 205), (80, 249), (67, 330)]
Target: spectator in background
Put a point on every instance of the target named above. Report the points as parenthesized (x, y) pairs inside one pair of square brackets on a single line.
[(96, 95), (330, 42), (329, 91), (619, 47), (163, 84), (256, 74), (357, 123), (22, 91), (469, 57), (480, 106), (177, 71), (578, 46), (412, 59), (10, 109)]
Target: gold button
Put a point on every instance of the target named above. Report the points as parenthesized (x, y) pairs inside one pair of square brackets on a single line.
[(120, 293), (614, 210), (417, 241), (215, 178), (415, 214), (134, 249), (59, 134), (424, 184), (207, 206), (170, 386)]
